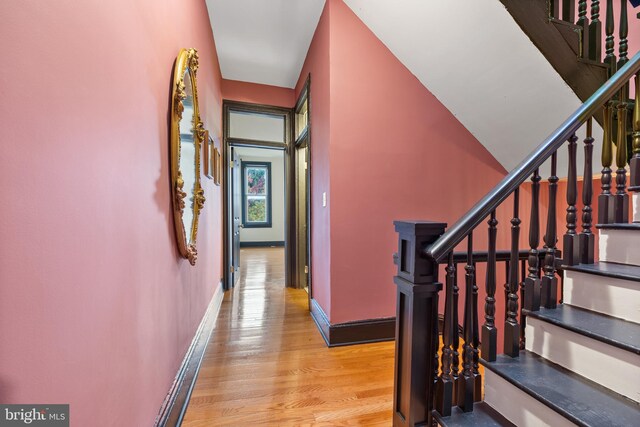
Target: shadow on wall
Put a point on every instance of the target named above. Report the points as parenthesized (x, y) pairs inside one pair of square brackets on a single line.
[(162, 194)]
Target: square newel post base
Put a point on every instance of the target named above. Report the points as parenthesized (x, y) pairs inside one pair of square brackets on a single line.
[(416, 314), (416, 324)]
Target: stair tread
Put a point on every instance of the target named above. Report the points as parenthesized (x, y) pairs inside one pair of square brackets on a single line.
[(617, 332), (622, 226), (576, 398), (608, 269), (482, 415)]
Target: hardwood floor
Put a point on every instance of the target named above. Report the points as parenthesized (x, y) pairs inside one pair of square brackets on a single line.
[(266, 363)]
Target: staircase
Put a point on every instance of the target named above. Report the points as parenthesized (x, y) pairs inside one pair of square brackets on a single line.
[(581, 363), (571, 334)]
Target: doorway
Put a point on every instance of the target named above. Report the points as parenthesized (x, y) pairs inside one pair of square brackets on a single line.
[(302, 196), (302, 229), (259, 144), (256, 143)]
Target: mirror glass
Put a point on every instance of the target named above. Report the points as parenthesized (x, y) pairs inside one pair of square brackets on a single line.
[(188, 156)]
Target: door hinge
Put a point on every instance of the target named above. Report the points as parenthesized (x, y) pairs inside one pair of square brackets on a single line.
[(231, 269), (231, 164), (306, 269)]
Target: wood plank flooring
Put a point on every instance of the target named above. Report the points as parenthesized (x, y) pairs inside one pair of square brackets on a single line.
[(266, 363)]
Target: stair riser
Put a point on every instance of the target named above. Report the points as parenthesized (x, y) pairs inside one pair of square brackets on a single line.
[(613, 297), (517, 406), (616, 246), (636, 208), (611, 367)]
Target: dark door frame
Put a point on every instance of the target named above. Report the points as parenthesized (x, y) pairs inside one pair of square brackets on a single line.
[(228, 142), (303, 140)]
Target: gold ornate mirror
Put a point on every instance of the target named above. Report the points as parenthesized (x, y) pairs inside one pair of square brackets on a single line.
[(187, 135)]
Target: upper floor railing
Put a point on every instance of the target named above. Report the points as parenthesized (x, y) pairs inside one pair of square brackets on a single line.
[(588, 20)]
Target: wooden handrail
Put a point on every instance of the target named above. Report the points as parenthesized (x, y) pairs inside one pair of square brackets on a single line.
[(469, 221)]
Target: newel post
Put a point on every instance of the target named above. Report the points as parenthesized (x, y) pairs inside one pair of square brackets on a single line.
[(416, 322)]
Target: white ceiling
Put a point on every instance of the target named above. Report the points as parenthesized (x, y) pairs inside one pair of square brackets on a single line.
[(262, 41)]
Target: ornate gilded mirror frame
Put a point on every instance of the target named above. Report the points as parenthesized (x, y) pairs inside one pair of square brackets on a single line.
[(186, 65)]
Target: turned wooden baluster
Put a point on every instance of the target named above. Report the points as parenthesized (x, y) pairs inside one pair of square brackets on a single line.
[(634, 164), (583, 22), (436, 354), (605, 199), (466, 389), (587, 240), (532, 282), (511, 327), (477, 392), (621, 198), (523, 278), (444, 385), (595, 32), (571, 240), (624, 32), (610, 55), (489, 331), (507, 268), (549, 282), (455, 343)]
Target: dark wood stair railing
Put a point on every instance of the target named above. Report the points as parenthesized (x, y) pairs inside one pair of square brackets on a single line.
[(422, 381), (451, 329)]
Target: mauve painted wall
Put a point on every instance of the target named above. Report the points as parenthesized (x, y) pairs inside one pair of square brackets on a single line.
[(258, 93), (386, 137), (96, 307), (317, 64), (396, 144)]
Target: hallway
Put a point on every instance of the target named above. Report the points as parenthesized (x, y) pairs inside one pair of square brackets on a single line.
[(266, 363)]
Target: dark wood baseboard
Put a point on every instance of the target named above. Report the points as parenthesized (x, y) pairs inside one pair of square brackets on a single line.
[(278, 244), (175, 404), (358, 332)]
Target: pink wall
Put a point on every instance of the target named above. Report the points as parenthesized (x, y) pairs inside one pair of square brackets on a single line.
[(317, 64), (386, 136), (258, 93), (96, 307), (396, 144)]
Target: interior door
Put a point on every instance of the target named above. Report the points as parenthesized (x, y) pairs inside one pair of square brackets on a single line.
[(302, 229), (236, 214)]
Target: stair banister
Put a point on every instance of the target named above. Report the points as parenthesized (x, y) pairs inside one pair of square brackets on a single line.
[(481, 210), (423, 246)]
